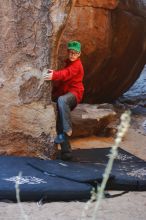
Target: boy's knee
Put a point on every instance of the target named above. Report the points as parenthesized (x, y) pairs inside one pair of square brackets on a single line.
[(61, 101)]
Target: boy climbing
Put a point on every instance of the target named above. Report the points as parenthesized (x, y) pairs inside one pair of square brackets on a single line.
[(67, 92)]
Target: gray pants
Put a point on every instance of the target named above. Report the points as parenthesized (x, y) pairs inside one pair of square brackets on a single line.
[(65, 104)]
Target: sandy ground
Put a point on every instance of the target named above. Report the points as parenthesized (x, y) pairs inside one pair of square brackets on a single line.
[(130, 206)]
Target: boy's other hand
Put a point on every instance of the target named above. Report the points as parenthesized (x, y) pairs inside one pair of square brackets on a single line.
[(47, 75)]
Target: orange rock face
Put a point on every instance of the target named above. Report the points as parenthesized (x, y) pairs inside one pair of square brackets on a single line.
[(113, 37)]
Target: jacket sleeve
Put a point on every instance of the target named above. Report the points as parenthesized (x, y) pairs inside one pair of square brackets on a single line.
[(66, 73)]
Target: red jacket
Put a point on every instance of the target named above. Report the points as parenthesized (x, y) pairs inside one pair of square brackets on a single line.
[(69, 79)]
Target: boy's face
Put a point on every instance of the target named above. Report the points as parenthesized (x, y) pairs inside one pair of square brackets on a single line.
[(73, 55)]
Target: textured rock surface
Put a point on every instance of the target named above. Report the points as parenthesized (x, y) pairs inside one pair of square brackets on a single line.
[(94, 120), (114, 50), (136, 95), (113, 35), (29, 36)]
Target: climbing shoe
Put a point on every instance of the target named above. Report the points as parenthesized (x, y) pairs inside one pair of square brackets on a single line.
[(66, 156), (60, 138)]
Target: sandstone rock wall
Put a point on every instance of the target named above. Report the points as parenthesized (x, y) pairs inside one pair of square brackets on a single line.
[(29, 36), (113, 37)]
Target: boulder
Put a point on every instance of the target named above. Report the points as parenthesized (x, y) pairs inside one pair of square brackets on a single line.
[(33, 34), (113, 37), (136, 95), (97, 119), (29, 36)]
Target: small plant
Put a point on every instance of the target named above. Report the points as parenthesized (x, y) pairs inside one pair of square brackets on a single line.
[(122, 129), (18, 197)]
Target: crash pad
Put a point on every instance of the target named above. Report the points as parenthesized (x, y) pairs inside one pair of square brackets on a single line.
[(63, 181), (129, 171), (74, 171), (35, 185)]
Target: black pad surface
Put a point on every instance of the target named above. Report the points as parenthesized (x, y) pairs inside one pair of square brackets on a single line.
[(84, 173), (35, 185), (128, 170), (101, 155), (59, 180)]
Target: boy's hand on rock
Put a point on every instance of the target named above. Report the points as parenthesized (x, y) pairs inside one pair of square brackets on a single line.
[(48, 74)]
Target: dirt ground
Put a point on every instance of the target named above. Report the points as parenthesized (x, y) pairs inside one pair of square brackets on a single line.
[(129, 206)]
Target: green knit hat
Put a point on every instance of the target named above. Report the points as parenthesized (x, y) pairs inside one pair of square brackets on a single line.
[(74, 45)]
